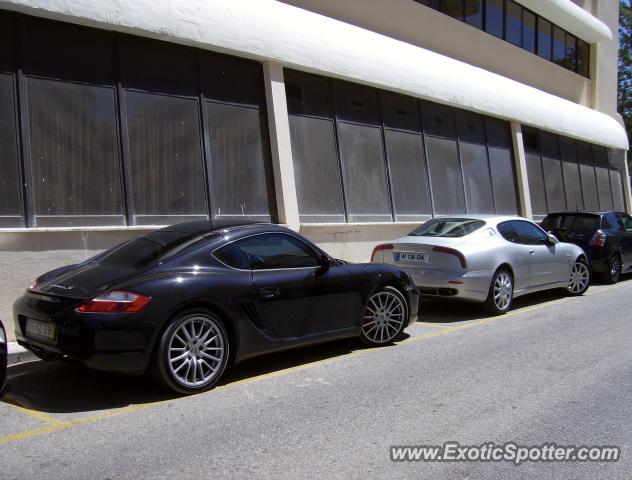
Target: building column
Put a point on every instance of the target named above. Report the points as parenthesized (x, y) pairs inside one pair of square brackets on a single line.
[(521, 170), (280, 145), (627, 193)]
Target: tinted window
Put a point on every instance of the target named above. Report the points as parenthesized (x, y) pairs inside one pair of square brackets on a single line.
[(602, 174), (570, 169), (544, 38), (74, 150), (362, 156), (474, 158), (616, 157), (559, 46), (238, 155), (625, 222), (583, 55), (587, 176), (552, 170), (537, 192), (268, 251), (314, 149), (571, 49), (447, 227), (513, 23), (581, 225), (528, 233), (454, 8), (400, 112), (572, 226), (10, 182), (508, 232), (357, 103), (445, 175), (74, 154), (166, 157), (501, 166), (316, 170), (494, 17), (233, 256), (411, 199), (142, 251), (528, 31), (474, 13)]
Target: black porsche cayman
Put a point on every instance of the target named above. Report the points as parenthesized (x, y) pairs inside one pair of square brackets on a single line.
[(188, 300)]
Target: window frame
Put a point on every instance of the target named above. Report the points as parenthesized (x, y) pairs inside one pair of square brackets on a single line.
[(544, 238), (573, 64), (317, 253)]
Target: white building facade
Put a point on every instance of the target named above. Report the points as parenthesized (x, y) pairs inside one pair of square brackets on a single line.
[(350, 121)]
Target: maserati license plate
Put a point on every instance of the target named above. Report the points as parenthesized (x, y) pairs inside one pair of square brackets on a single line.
[(411, 257)]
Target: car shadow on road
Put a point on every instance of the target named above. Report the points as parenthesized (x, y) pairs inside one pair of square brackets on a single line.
[(441, 311), (63, 387)]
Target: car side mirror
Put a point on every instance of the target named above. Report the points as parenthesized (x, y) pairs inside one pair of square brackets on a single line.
[(553, 240), (323, 263)]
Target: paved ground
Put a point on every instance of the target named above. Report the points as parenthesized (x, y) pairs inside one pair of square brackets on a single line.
[(554, 370)]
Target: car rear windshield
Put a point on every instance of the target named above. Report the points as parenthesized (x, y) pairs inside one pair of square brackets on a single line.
[(143, 251), (571, 226), (447, 227)]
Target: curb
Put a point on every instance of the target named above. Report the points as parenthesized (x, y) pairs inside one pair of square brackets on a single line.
[(18, 354)]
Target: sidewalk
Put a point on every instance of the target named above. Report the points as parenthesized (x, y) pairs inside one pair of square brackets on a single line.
[(18, 354)]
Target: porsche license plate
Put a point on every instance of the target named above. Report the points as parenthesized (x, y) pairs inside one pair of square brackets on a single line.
[(39, 329)]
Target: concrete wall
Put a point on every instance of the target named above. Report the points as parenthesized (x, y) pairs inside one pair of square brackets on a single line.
[(24, 255), (605, 60)]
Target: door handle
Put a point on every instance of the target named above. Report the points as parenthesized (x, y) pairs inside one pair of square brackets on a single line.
[(269, 292), (531, 252)]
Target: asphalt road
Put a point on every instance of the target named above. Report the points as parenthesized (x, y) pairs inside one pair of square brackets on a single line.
[(554, 370)]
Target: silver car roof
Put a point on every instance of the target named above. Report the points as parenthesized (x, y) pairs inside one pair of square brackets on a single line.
[(491, 220)]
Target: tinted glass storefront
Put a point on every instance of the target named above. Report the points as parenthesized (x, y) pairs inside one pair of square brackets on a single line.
[(101, 128), (367, 155), (571, 175)]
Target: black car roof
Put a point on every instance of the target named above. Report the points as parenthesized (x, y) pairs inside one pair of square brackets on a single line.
[(190, 230), (205, 227), (557, 214)]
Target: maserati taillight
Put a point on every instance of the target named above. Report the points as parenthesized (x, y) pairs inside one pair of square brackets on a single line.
[(452, 251), (379, 248)]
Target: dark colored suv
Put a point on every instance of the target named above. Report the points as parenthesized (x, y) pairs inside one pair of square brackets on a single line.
[(606, 237)]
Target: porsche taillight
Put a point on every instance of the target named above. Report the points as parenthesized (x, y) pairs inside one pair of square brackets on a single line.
[(116, 301)]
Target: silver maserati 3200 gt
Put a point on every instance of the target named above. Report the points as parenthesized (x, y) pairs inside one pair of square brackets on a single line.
[(486, 258)]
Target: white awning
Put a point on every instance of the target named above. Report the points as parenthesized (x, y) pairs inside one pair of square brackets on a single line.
[(271, 30), (572, 18)]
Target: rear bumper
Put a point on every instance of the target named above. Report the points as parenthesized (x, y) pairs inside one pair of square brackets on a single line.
[(119, 343), (129, 362), (458, 285)]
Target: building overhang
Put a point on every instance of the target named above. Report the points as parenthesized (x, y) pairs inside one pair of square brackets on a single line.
[(572, 18), (299, 39)]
